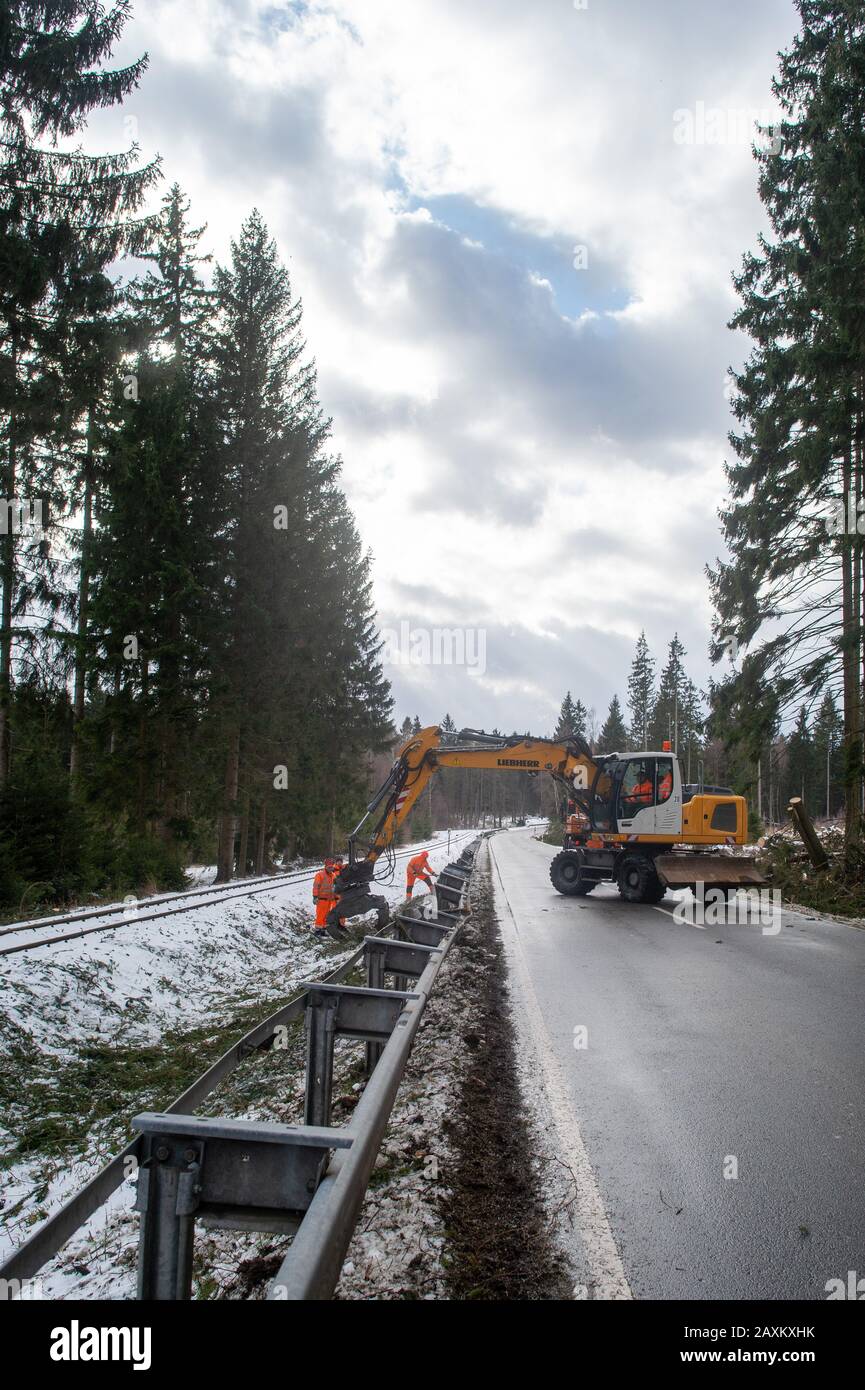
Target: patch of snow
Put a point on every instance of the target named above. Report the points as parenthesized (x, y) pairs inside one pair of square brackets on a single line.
[(131, 986)]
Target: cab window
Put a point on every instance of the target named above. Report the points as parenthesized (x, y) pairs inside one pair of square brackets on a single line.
[(665, 780), (638, 786), (601, 796)]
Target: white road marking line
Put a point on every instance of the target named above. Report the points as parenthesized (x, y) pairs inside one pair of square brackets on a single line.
[(602, 1254), (655, 908)]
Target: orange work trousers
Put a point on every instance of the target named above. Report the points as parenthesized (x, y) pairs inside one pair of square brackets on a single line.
[(322, 908), (417, 878)]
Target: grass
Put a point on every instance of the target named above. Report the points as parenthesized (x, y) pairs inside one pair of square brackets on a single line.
[(51, 1108)]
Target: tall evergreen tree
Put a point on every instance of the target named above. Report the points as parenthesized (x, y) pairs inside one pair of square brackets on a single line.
[(667, 712), (800, 758), (828, 737), (571, 722), (300, 651), (156, 549), (641, 693), (614, 736), (691, 729), (797, 485), (64, 217)]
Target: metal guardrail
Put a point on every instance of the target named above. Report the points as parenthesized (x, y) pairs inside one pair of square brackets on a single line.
[(307, 1180)]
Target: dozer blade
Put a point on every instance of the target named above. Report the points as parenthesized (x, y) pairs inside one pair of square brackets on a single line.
[(715, 870)]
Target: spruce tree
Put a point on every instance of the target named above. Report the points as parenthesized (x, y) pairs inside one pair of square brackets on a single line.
[(666, 723), (828, 736), (299, 690), (691, 729), (156, 588), (801, 760), (571, 722), (64, 217), (614, 736), (641, 693), (790, 526)]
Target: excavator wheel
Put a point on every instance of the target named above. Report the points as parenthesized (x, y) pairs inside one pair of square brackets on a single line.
[(638, 880), (354, 904), (566, 876)]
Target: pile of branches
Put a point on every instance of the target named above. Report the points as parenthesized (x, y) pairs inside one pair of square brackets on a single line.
[(838, 889)]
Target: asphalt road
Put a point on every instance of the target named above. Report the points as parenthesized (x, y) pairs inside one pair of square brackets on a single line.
[(704, 1045)]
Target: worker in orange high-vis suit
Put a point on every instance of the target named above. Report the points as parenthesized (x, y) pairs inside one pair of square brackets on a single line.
[(323, 895), (643, 793), (419, 868)]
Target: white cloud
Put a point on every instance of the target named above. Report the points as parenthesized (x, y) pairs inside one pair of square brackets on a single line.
[(532, 447)]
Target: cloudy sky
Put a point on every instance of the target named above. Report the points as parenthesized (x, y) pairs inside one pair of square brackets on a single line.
[(513, 227)]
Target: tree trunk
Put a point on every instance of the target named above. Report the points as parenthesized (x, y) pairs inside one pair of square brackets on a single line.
[(7, 579), (243, 851), (850, 666), (115, 713), (261, 840), (80, 675), (859, 541), (144, 769), (228, 821)]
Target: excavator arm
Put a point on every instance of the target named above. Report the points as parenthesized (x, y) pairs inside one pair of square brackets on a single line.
[(570, 762)]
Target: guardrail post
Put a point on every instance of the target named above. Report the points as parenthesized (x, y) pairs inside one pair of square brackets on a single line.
[(320, 1027), (375, 980), (167, 1199)]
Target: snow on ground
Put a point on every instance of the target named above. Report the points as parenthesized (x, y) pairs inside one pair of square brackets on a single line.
[(174, 970), (91, 1028)]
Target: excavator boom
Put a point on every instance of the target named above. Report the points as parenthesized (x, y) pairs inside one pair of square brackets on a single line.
[(568, 761), (632, 816)]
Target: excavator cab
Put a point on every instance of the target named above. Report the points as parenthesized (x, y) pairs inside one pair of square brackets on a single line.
[(648, 795), (638, 794)]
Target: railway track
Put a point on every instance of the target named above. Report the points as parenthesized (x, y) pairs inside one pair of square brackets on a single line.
[(167, 905)]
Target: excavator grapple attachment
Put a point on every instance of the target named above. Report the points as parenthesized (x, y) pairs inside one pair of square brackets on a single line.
[(356, 903)]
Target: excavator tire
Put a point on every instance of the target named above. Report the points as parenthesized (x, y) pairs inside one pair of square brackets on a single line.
[(353, 904), (638, 880), (566, 876)]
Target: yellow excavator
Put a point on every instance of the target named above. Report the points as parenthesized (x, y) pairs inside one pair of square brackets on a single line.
[(633, 822)]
